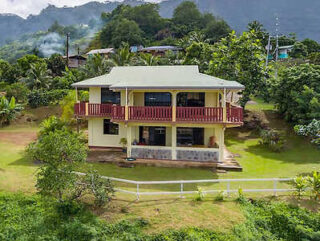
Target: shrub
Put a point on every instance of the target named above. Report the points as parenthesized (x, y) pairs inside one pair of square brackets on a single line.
[(311, 131), (272, 139), (300, 184), (39, 98), (221, 196), (200, 194), (314, 184)]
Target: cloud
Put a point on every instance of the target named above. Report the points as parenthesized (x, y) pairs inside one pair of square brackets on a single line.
[(25, 7)]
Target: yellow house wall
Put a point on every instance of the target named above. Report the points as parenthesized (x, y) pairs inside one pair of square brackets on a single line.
[(95, 95), (97, 138), (138, 99), (210, 99)]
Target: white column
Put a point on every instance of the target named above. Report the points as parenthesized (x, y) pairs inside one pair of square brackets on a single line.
[(174, 142), (129, 140), (221, 144)]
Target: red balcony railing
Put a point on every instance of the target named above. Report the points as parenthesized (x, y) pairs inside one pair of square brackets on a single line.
[(80, 109), (99, 109), (118, 112), (150, 113), (235, 114), (200, 114), (161, 113)]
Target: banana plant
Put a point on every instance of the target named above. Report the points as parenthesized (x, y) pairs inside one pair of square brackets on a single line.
[(8, 110)]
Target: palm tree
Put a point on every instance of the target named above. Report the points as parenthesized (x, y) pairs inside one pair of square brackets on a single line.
[(97, 65), (148, 59), (38, 76), (123, 57)]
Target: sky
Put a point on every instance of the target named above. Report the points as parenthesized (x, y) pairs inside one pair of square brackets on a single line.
[(25, 7)]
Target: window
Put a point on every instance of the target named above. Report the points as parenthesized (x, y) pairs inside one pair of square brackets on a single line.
[(191, 99), (157, 99), (110, 128), (109, 97), (190, 136)]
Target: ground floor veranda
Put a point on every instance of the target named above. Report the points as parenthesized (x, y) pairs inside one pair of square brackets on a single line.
[(161, 141)]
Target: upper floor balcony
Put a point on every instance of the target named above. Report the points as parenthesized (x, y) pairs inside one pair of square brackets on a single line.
[(233, 115)]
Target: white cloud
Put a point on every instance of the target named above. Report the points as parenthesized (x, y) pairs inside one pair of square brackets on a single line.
[(25, 7)]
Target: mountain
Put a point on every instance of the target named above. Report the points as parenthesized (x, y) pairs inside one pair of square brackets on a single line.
[(296, 16)]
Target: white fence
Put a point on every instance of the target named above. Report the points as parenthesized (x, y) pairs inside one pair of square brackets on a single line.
[(181, 183)]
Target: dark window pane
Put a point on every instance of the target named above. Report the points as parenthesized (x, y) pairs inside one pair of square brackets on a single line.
[(152, 136), (157, 99), (191, 99), (190, 136), (110, 128), (109, 97)]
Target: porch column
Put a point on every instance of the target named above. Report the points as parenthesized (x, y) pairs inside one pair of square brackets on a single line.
[(129, 140), (174, 106), (174, 142), (221, 144), (224, 106)]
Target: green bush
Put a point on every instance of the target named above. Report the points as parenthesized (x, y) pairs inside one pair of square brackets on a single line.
[(311, 131), (272, 139), (39, 98)]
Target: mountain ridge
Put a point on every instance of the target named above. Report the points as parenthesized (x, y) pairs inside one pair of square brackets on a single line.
[(296, 16)]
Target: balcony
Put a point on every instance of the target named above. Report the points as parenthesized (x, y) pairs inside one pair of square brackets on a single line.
[(160, 113)]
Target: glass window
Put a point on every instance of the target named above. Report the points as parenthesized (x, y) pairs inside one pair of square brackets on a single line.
[(110, 128), (109, 97), (157, 99), (191, 99), (190, 136)]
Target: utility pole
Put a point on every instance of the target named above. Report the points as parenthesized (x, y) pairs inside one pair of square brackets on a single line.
[(277, 44), (67, 49)]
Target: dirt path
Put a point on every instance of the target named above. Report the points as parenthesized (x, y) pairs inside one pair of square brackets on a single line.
[(18, 138)]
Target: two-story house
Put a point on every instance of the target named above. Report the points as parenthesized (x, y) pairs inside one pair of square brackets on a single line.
[(164, 112)]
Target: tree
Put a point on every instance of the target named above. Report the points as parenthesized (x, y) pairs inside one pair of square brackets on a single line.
[(241, 59), (186, 18), (56, 64), (147, 17), (198, 53), (38, 76), (61, 152), (312, 46), (96, 65), (215, 30), (121, 30), (148, 59), (299, 50), (297, 94), (18, 90), (259, 30), (122, 57), (8, 110), (26, 61)]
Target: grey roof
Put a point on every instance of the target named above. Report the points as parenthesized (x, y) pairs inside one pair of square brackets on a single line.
[(286, 47), (101, 51), (158, 77), (160, 48)]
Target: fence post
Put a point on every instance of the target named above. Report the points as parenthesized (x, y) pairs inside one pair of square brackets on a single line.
[(228, 188), (274, 187), (137, 191), (181, 190)]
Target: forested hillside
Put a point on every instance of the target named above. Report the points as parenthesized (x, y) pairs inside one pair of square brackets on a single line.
[(296, 16)]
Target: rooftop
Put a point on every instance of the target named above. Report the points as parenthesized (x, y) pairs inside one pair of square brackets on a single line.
[(158, 77), (101, 51)]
